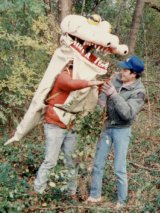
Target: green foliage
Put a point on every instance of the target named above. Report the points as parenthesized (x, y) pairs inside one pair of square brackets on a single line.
[(19, 164), (26, 40), (89, 126), (12, 192)]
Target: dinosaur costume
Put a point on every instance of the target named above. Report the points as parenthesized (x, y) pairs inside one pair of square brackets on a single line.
[(80, 36)]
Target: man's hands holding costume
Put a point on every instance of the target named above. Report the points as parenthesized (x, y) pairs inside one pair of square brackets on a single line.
[(109, 89)]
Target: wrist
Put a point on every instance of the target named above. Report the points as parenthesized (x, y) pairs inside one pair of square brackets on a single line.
[(112, 94), (90, 83)]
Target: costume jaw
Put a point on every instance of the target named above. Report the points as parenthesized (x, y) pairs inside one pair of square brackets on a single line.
[(84, 37), (86, 50)]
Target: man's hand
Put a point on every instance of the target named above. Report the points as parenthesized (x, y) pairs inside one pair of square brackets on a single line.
[(109, 89), (95, 83)]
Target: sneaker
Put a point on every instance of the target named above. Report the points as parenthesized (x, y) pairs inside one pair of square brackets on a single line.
[(39, 190), (119, 206), (94, 200)]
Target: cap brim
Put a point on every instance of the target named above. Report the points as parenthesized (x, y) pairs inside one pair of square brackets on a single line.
[(123, 64)]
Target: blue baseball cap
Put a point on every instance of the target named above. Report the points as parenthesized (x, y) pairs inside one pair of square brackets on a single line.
[(133, 63)]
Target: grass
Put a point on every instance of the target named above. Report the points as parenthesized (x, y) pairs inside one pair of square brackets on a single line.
[(20, 162)]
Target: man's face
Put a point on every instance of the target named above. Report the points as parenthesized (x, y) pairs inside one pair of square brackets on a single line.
[(127, 76)]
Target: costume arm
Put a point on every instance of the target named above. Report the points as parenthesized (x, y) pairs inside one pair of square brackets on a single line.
[(66, 83)]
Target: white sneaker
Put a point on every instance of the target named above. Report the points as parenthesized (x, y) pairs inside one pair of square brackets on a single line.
[(39, 189), (94, 200), (120, 206)]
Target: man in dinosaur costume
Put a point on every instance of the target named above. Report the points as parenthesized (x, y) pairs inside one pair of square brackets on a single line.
[(70, 86)]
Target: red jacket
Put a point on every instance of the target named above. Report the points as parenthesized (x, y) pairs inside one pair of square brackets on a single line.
[(64, 84)]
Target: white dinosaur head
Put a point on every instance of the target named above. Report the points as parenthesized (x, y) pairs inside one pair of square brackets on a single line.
[(86, 35)]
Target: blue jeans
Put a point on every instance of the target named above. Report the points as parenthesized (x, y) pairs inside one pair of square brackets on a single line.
[(57, 139), (119, 138)]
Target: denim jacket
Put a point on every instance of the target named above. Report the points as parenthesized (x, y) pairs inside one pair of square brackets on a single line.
[(123, 107)]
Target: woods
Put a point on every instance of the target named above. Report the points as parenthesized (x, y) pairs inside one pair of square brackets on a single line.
[(29, 35)]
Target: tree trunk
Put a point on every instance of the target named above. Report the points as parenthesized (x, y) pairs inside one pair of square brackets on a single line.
[(135, 25), (65, 8), (49, 4)]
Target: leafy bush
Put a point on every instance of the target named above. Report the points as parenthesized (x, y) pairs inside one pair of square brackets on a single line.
[(24, 40)]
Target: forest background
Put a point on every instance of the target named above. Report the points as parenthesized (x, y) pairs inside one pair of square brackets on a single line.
[(29, 35)]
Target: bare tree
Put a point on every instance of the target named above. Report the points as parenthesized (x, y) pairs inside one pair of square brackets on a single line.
[(65, 8), (135, 25)]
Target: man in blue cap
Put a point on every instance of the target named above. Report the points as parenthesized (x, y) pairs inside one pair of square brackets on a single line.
[(124, 97)]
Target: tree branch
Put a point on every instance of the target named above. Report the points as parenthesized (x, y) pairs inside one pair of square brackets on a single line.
[(97, 3), (146, 168)]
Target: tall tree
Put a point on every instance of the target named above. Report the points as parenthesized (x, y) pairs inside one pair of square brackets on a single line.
[(135, 25), (65, 8)]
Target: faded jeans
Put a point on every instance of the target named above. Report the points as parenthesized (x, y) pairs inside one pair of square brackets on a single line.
[(119, 138), (57, 139)]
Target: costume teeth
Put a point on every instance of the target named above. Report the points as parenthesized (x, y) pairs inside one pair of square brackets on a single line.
[(88, 55), (82, 51), (106, 65), (98, 48), (102, 49), (96, 61), (100, 62), (85, 43), (76, 44)]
